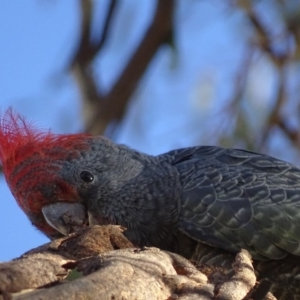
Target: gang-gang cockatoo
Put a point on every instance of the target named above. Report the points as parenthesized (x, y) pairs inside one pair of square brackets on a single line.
[(226, 198)]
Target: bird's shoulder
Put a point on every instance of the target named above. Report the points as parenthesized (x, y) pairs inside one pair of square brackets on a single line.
[(229, 156), (209, 160)]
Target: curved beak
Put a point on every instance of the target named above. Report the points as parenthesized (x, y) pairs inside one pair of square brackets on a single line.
[(65, 217)]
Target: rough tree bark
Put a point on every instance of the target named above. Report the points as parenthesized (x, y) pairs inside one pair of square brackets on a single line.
[(100, 263)]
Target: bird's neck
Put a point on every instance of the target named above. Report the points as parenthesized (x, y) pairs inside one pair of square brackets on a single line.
[(147, 205), (151, 214)]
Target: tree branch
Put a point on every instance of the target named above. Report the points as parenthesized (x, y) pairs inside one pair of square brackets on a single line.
[(100, 263), (280, 61), (113, 105), (85, 53), (98, 45), (87, 49)]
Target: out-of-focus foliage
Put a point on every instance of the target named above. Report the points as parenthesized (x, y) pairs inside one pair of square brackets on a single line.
[(274, 47), (261, 108)]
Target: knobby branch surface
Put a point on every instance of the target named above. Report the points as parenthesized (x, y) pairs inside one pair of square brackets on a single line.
[(100, 109), (100, 263)]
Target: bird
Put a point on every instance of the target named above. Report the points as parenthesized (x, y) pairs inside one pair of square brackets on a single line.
[(225, 198)]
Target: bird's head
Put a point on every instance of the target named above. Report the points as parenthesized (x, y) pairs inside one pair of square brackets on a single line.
[(48, 174)]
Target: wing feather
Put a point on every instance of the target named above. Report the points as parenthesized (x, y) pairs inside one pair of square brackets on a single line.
[(237, 199)]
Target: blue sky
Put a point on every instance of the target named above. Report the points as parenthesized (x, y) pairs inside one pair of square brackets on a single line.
[(179, 91)]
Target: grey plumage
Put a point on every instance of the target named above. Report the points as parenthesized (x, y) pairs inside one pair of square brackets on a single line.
[(197, 202), (225, 198), (239, 199)]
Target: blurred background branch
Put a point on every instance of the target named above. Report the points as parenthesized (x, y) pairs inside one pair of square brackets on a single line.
[(261, 103), (280, 49), (100, 109)]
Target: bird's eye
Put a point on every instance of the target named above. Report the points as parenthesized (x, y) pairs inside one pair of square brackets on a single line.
[(86, 176)]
